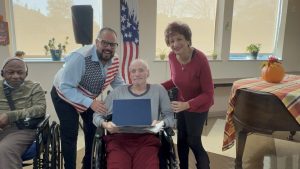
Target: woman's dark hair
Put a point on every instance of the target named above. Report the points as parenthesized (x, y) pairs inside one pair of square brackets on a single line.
[(180, 28)]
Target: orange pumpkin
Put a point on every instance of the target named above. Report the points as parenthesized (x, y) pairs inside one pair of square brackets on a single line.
[(272, 71)]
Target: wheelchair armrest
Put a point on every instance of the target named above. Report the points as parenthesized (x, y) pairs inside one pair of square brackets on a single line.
[(169, 131), (42, 135), (166, 134), (100, 132), (108, 117), (43, 123)]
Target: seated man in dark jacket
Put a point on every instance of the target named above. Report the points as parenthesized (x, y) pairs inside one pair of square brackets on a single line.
[(27, 101)]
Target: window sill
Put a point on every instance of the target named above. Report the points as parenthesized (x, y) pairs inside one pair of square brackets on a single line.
[(247, 56), (43, 60), (159, 60)]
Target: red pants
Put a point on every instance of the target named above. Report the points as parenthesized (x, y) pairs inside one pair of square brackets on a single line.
[(132, 151)]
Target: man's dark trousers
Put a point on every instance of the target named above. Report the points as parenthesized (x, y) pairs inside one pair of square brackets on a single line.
[(69, 122)]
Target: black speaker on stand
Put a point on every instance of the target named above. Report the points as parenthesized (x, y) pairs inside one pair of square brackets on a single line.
[(82, 18)]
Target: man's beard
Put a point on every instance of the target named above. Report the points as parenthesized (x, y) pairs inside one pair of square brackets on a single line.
[(105, 58)]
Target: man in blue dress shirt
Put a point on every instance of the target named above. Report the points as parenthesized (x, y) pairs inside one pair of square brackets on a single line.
[(84, 76)]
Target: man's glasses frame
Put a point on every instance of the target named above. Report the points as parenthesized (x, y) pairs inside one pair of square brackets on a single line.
[(106, 43)]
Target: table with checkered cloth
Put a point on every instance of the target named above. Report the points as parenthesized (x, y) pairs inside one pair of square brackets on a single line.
[(288, 91)]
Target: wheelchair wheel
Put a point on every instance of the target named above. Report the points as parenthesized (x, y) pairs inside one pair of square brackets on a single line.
[(41, 160), (173, 163), (167, 154), (98, 156), (55, 147)]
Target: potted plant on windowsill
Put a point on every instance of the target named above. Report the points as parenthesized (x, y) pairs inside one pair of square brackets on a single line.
[(162, 54), (254, 49), (56, 50), (213, 54)]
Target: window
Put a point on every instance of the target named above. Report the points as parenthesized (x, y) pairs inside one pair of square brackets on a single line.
[(254, 22), (200, 15), (37, 21)]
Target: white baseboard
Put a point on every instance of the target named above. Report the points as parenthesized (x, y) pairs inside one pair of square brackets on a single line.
[(217, 114)]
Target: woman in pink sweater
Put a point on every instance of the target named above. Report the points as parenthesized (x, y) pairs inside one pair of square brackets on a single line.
[(190, 73)]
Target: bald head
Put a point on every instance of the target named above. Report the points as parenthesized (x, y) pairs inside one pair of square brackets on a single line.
[(141, 62)]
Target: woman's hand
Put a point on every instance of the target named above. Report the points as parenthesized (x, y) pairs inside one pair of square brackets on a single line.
[(110, 127), (179, 106)]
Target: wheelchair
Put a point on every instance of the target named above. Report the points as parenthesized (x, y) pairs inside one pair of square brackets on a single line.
[(167, 154), (44, 153)]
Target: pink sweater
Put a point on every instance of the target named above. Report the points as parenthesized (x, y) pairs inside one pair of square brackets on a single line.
[(193, 80)]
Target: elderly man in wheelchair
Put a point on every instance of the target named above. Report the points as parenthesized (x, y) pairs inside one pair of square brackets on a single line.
[(135, 148), (20, 102), (25, 132)]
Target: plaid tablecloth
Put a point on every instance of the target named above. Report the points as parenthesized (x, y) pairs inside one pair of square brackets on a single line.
[(288, 91)]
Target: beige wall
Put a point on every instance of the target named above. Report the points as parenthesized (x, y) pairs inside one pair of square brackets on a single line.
[(44, 72)]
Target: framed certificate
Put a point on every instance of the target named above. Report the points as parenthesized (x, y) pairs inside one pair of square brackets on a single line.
[(4, 36)]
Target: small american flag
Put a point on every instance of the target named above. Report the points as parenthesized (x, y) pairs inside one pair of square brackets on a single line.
[(130, 35)]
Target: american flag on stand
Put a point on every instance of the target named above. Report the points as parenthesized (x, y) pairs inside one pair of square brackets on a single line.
[(130, 35)]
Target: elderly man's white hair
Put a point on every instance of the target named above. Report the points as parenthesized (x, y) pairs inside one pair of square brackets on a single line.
[(141, 61)]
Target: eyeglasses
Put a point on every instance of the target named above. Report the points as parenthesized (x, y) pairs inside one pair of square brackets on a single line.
[(106, 43)]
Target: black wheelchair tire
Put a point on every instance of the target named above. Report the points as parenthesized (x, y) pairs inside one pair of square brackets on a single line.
[(96, 153), (41, 160), (55, 147)]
